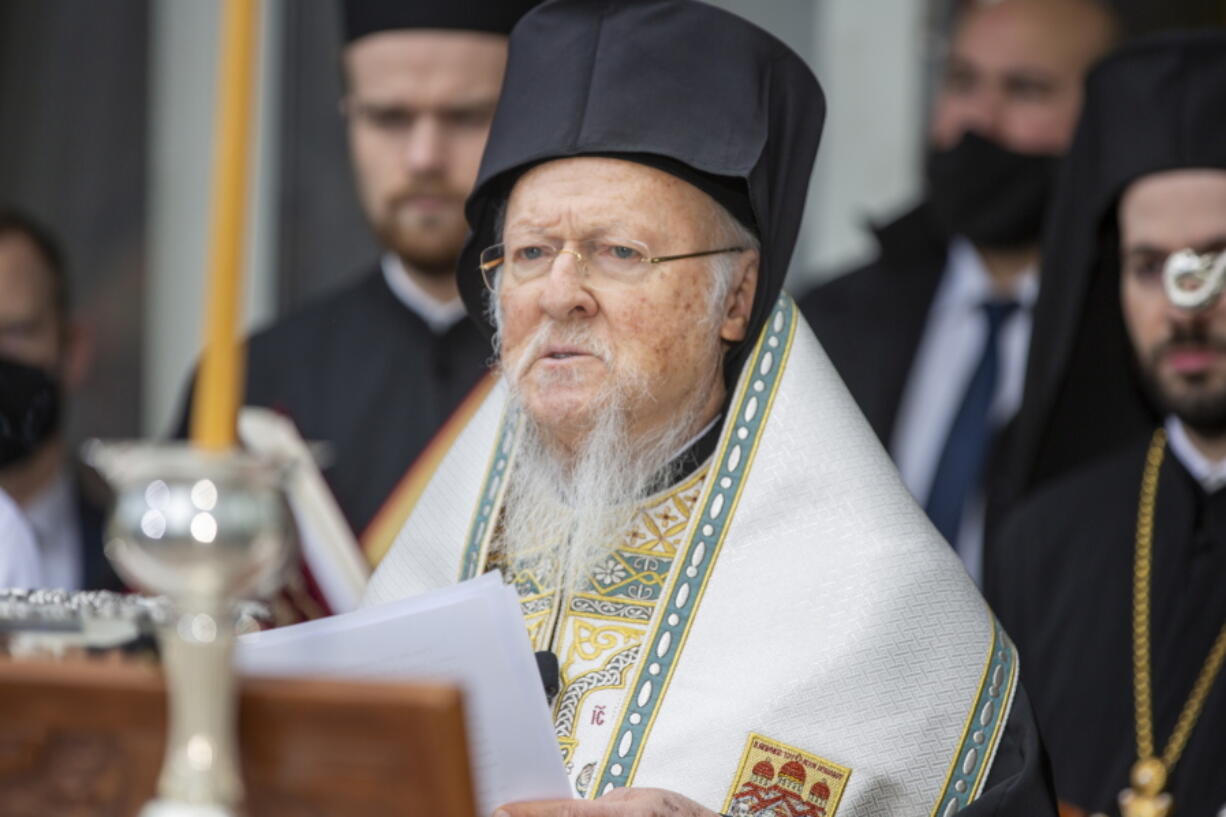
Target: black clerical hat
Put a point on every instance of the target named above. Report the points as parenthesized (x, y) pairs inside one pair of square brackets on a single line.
[(1156, 104), (673, 81), (362, 17)]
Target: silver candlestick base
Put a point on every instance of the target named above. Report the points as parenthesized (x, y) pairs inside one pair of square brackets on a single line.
[(205, 530)]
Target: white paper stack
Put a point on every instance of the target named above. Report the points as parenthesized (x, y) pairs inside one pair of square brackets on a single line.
[(470, 634)]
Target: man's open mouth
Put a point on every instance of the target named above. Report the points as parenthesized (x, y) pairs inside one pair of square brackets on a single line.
[(564, 354)]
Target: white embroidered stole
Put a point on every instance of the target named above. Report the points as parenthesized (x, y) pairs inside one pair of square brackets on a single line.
[(597, 633)]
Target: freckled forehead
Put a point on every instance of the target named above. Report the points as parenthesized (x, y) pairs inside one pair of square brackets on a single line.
[(588, 193)]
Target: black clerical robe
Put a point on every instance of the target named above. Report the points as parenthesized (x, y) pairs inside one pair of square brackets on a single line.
[(1062, 586), (362, 372)]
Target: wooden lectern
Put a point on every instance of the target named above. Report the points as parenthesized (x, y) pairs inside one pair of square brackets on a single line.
[(85, 739)]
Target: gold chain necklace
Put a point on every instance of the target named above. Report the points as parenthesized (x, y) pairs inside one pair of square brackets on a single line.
[(1145, 796)]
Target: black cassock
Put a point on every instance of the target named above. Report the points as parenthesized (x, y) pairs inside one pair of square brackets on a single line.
[(1019, 784), (1062, 586), (362, 372)]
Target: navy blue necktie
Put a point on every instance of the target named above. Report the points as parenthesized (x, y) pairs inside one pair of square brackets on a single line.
[(961, 463)]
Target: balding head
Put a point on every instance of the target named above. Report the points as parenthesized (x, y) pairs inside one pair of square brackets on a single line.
[(1015, 71)]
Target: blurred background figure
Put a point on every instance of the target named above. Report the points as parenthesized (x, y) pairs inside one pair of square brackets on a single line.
[(19, 565), (1109, 576), (43, 356), (931, 336)]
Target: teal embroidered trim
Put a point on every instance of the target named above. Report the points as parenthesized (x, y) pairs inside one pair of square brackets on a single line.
[(984, 727), (742, 432), (471, 560)]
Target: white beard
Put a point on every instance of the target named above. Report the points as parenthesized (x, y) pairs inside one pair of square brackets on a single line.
[(566, 511)]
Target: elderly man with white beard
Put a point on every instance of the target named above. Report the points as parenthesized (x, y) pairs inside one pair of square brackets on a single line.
[(748, 610), (611, 376)]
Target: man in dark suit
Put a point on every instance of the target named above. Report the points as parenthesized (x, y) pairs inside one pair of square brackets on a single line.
[(41, 355), (931, 336)]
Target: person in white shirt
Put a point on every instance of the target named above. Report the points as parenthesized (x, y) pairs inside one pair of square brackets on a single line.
[(18, 551)]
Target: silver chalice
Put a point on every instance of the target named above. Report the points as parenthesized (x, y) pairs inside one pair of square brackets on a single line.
[(205, 530)]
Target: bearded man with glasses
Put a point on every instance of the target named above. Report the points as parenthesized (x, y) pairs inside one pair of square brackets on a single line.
[(748, 611)]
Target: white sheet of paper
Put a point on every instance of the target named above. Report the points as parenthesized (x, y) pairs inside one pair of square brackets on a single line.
[(327, 543), (470, 634)]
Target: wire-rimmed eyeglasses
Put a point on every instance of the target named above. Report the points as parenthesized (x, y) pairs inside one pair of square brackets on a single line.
[(621, 260)]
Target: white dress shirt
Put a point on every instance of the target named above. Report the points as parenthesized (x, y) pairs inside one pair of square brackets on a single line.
[(1209, 473), (438, 315), (57, 528), (19, 563), (948, 353)]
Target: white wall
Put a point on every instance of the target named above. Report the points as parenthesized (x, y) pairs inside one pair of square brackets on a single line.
[(870, 57)]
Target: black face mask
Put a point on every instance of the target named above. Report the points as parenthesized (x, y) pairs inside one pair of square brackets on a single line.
[(993, 196), (29, 410)]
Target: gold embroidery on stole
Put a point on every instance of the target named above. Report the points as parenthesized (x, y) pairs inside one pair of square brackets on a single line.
[(601, 628)]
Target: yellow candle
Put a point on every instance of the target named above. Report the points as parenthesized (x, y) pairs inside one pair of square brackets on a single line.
[(219, 383)]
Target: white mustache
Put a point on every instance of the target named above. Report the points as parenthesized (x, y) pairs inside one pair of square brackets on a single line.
[(569, 335)]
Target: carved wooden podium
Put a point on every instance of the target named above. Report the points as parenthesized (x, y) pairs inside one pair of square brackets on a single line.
[(85, 739)]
